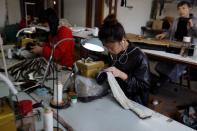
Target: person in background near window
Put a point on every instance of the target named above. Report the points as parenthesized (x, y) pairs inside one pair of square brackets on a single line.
[(185, 25)]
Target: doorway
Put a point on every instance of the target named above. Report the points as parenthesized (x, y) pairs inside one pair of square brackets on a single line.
[(31, 7), (95, 10)]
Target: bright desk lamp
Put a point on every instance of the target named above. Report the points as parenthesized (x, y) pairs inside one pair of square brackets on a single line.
[(51, 58), (31, 29), (93, 44), (28, 30)]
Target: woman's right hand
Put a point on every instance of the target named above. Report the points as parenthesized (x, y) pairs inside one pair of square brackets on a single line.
[(37, 50), (161, 36), (117, 73)]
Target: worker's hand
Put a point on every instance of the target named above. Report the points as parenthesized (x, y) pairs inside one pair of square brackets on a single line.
[(37, 50), (160, 36), (190, 22), (40, 43), (117, 73)]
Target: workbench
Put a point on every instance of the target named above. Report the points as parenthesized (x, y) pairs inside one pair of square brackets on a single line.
[(106, 114)]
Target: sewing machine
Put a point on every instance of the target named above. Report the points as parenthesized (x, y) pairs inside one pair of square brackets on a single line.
[(89, 68)]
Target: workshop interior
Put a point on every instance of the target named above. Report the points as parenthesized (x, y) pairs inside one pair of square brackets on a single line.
[(98, 65)]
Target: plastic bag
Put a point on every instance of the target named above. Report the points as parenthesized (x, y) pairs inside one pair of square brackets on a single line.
[(87, 88)]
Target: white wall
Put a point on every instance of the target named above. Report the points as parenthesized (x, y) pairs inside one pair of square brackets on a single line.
[(106, 10), (75, 11), (93, 12), (133, 19), (2, 13), (14, 14)]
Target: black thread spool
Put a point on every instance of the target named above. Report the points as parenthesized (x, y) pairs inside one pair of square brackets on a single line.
[(101, 77)]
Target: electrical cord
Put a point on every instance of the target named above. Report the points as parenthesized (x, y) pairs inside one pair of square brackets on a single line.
[(123, 55)]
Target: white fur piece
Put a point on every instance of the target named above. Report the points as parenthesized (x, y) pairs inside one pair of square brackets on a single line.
[(123, 100)]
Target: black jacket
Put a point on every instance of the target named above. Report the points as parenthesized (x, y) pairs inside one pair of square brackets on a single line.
[(136, 66)]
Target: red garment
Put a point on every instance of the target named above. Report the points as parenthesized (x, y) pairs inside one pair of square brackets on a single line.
[(64, 52), (22, 23)]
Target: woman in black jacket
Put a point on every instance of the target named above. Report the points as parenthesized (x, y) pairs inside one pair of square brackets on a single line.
[(128, 63)]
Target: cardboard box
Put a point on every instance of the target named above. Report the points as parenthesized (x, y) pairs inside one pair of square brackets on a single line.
[(157, 24), (90, 69)]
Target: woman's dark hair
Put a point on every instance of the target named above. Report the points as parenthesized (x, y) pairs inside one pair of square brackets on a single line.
[(49, 15), (111, 30), (184, 3)]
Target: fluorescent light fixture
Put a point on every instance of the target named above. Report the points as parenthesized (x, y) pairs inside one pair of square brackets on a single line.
[(93, 44)]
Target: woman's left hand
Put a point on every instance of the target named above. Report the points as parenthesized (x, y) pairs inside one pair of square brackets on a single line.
[(117, 73)]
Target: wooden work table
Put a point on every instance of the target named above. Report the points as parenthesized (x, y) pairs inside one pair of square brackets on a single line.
[(152, 41)]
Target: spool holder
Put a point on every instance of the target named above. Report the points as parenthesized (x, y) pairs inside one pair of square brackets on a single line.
[(63, 105)]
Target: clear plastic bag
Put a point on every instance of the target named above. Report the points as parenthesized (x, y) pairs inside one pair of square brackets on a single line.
[(88, 88)]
